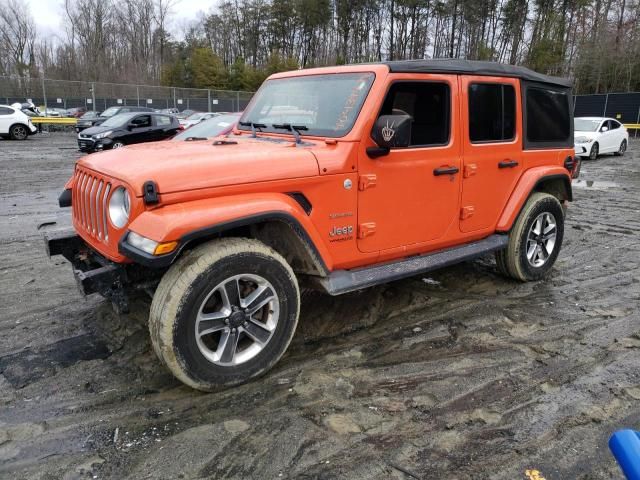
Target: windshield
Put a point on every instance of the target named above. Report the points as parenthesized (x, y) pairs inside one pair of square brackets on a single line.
[(110, 112), (116, 120), (586, 124), (327, 105), (90, 114), (210, 128)]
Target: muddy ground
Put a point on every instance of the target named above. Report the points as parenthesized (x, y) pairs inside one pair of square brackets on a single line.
[(460, 374)]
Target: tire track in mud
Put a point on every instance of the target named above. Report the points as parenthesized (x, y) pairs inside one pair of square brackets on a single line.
[(466, 374)]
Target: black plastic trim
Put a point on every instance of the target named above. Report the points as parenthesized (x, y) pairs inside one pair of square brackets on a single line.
[(302, 200), (162, 261), (150, 190), (64, 200)]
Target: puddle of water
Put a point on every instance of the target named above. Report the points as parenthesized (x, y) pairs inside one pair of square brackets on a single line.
[(594, 184)]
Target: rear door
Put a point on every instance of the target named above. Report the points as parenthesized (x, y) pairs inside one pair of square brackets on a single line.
[(492, 148), (407, 197), (162, 127)]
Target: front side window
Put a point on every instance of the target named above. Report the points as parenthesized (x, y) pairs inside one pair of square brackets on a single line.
[(325, 105), (548, 118), (142, 121), (492, 112), (428, 104), (613, 125)]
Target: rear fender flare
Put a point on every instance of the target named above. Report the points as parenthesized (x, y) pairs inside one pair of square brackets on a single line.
[(530, 182)]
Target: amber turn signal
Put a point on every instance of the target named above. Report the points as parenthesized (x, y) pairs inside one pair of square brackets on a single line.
[(163, 248)]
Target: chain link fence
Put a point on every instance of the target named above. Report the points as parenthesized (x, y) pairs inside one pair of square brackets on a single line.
[(98, 96)]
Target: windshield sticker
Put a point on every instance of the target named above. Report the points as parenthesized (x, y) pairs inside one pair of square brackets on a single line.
[(352, 101)]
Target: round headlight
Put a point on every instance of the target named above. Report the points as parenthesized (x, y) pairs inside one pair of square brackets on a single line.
[(119, 207)]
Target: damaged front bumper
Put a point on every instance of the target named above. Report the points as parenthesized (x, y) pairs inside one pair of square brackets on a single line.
[(96, 274)]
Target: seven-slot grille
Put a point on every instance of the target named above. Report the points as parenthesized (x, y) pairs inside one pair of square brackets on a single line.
[(90, 203)]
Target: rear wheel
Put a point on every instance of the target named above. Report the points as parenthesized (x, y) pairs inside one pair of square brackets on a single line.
[(622, 149), (593, 153), (535, 239), (18, 132), (224, 313)]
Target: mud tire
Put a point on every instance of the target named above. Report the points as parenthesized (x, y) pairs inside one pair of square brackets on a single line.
[(181, 292), (512, 261)]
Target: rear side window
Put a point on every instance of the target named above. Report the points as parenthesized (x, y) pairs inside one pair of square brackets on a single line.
[(162, 120), (6, 111), (548, 117), (492, 112), (428, 104)]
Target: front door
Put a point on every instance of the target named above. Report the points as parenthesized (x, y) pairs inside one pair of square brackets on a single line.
[(411, 195), (142, 130), (492, 148)]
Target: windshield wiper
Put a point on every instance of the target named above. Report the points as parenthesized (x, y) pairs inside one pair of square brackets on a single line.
[(193, 139), (253, 126), (292, 128)]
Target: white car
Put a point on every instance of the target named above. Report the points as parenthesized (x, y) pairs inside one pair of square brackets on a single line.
[(196, 118), (596, 135), (14, 124)]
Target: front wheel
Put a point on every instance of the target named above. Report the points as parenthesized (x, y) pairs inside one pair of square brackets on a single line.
[(117, 145), (593, 153), (535, 239), (224, 313)]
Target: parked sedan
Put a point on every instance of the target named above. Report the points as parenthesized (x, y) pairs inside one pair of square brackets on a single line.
[(596, 135), (108, 113), (214, 127), (196, 118), (126, 129)]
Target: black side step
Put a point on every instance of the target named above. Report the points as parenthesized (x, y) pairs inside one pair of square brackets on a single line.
[(343, 281)]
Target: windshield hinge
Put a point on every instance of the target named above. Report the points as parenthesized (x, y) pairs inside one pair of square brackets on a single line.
[(150, 191)]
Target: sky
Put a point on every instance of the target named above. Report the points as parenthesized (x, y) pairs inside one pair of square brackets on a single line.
[(49, 14)]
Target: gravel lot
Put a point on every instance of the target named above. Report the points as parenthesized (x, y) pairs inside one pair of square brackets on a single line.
[(458, 375)]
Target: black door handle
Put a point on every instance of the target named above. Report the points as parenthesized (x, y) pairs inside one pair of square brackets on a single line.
[(507, 164), (445, 171)]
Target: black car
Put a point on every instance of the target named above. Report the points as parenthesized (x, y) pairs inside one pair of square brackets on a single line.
[(108, 113), (128, 128)]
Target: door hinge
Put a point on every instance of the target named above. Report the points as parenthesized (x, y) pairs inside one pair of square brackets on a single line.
[(470, 170), (367, 181), (466, 212), (366, 229)]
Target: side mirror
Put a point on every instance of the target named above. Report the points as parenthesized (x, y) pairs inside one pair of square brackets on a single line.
[(390, 131), (604, 129)]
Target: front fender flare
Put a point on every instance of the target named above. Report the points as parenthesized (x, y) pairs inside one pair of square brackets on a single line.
[(525, 186), (186, 222)]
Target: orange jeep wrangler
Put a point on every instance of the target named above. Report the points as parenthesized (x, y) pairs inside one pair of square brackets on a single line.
[(336, 178)]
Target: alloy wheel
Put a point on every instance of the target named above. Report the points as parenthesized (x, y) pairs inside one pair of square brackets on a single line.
[(541, 239), (237, 319)]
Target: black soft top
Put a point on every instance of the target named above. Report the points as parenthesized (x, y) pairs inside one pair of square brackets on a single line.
[(473, 67)]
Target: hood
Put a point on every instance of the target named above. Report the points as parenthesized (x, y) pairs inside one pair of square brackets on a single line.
[(182, 166), (98, 129), (587, 134)]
